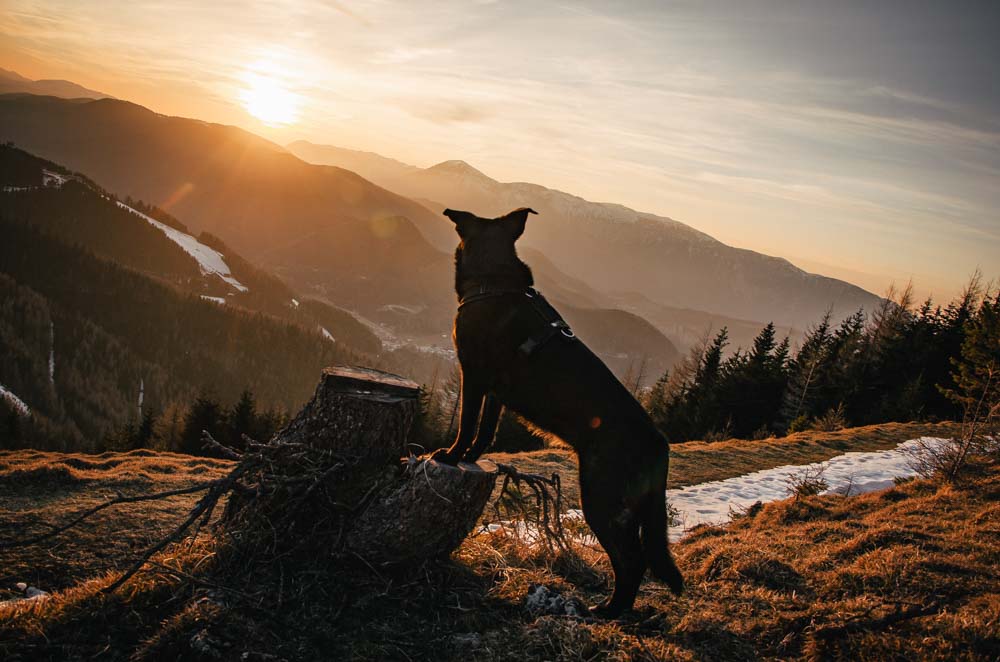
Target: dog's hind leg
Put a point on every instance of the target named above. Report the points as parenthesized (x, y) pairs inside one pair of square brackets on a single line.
[(617, 529), (470, 404), (654, 540), (487, 428)]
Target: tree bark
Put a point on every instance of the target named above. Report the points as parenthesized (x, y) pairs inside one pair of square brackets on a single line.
[(427, 514), (360, 413), (334, 480)]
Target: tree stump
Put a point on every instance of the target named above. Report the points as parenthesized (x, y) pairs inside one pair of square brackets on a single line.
[(427, 514), (333, 481), (357, 412)]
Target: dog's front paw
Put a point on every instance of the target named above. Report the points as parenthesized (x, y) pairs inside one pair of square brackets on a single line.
[(606, 610), (444, 456)]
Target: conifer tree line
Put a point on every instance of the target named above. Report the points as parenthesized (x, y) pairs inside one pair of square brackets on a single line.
[(178, 428), (902, 362)]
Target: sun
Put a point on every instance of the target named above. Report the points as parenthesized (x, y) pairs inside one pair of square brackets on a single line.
[(268, 98)]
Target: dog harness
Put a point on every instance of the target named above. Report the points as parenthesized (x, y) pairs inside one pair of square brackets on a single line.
[(552, 322)]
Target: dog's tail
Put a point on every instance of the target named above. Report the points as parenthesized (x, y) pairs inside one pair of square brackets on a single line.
[(654, 541)]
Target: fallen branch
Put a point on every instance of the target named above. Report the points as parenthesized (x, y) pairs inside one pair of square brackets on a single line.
[(114, 502), (547, 492), (204, 506)]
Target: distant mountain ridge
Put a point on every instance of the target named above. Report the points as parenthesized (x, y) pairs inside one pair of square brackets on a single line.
[(13, 82), (328, 232), (619, 250)]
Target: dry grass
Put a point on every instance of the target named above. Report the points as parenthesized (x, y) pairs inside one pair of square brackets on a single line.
[(909, 573), (39, 487)]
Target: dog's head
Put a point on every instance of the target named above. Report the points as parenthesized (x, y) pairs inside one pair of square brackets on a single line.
[(486, 254)]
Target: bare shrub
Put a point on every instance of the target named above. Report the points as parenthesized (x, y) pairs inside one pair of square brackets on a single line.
[(720, 435), (833, 420), (808, 482)]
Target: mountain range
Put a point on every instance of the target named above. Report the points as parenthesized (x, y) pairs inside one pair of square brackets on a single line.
[(617, 250), (331, 234), (107, 312), (363, 232)]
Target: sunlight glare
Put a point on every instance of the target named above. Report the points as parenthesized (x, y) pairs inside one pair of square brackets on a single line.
[(268, 99)]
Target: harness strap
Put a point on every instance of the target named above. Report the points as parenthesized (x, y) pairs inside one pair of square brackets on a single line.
[(485, 292), (554, 324)]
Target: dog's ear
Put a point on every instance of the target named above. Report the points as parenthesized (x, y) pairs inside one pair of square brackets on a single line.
[(517, 219), (461, 219), (457, 216)]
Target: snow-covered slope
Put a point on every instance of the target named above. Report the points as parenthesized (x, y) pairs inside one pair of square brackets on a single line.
[(209, 260), (15, 401)]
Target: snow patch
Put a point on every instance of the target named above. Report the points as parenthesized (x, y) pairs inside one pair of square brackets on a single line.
[(15, 401), (327, 334), (853, 473), (52, 178), (400, 308), (295, 303), (210, 261), (218, 300)]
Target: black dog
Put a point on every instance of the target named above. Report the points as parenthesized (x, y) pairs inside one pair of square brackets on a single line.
[(516, 352)]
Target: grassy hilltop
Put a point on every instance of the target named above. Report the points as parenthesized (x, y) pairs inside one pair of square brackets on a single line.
[(905, 573)]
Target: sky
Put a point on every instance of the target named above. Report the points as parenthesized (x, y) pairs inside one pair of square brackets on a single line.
[(857, 139)]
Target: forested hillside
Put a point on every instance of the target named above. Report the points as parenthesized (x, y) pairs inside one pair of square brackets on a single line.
[(81, 213), (115, 334), (108, 324)]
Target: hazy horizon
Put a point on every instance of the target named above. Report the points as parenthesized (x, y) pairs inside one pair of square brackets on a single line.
[(861, 143)]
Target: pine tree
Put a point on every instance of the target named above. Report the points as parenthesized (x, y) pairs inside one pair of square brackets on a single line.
[(168, 431), (205, 414), (977, 371), (798, 397), (144, 433), (242, 420), (657, 399)]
